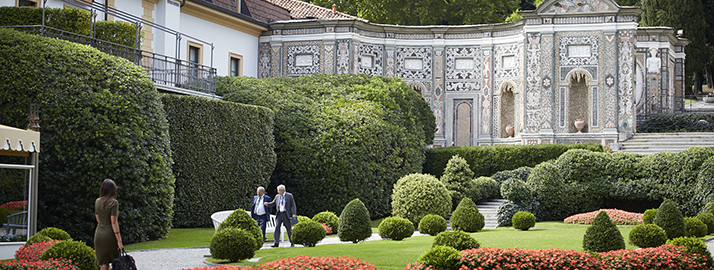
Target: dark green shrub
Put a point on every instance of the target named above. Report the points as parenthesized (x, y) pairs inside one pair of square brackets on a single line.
[(677, 122), (203, 170), (68, 19), (506, 211), (106, 114), (307, 233), (708, 220), (81, 255), (671, 220), (327, 217), (602, 235), (523, 220), (351, 115), (233, 244), (37, 238), (484, 188), (693, 245), (457, 178), (456, 239), (3, 214), (695, 227), (516, 191), (441, 257), (547, 186), (417, 195), (119, 32), (432, 224), (241, 219), (354, 224), (466, 217), (55, 233), (647, 235), (648, 216), (396, 228), (519, 173)]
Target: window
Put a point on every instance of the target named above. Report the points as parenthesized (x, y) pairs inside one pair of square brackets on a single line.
[(195, 58), (28, 3), (236, 65)]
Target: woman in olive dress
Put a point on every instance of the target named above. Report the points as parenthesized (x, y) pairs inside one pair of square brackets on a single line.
[(107, 240)]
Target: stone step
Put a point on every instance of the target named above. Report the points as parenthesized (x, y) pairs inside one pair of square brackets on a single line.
[(650, 143), (489, 210)]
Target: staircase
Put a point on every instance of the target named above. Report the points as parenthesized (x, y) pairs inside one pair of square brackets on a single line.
[(650, 143), (489, 210)]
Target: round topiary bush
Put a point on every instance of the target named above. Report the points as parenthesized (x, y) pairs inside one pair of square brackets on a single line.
[(523, 220), (77, 251), (307, 233), (242, 220), (329, 218), (484, 188), (354, 223), (417, 195), (303, 219), (432, 224), (55, 233), (647, 235), (602, 235), (708, 219), (37, 238), (695, 227), (441, 257), (515, 190), (233, 244), (457, 178), (648, 216), (466, 217), (670, 219), (693, 245), (396, 228), (456, 239)]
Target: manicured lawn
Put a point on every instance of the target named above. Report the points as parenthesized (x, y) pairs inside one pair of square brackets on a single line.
[(178, 238)]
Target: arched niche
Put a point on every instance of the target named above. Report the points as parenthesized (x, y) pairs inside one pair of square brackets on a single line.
[(507, 109), (578, 100), (463, 122)]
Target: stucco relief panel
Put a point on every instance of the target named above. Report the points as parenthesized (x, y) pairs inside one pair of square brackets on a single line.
[(609, 106), (547, 82), (533, 81), (302, 58), (414, 62), (371, 58), (571, 6), (626, 76), (463, 68), (264, 60), (343, 56)]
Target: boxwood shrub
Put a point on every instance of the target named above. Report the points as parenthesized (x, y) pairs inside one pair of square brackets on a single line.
[(233, 244), (329, 218), (81, 255), (68, 19), (396, 228), (307, 233), (457, 178), (523, 220), (417, 195), (484, 188), (432, 224), (694, 246), (515, 190), (466, 217), (441, 257), (695, 227), (647, 235), (603, 235), (55, 233), (708, 220), (101, 117), (649, 215), (455, 239), (241, 219), (221, 150), (670, 219), (327, 128), (354, 223)]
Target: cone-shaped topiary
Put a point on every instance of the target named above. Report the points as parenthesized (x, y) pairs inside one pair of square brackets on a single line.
[(647, 235), (441, 257), (432, 224), (417, 195), (81, 255), (456, 239), (649, 215), (242, 220), (307, 233), (466, 217), (708, 219), (354, 223), (695, 227), (603, 235), (457, 178), (234, 244), (396, 228), (670, 219), (523, 220), (327, 217)]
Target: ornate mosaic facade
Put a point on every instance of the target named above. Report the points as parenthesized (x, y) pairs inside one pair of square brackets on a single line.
[(568, 60)]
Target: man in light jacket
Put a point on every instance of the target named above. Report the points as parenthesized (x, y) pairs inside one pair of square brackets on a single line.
[(285, 209)]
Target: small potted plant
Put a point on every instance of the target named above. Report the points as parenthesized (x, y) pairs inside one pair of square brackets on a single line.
[(709, 98)]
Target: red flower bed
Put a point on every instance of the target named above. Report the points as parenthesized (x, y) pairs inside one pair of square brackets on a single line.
[(522, 259), (32, 252), (16, 205), (328, 229), (51, 264), (617, 216), (662, 257), (223, 267), (303, 262)]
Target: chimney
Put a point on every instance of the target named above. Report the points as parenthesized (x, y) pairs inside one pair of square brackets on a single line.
[(334, 8)]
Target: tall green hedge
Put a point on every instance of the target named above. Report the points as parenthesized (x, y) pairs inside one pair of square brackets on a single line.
[(101, 117), (68, 19), (488, 160), (222, 152), (340, 137)]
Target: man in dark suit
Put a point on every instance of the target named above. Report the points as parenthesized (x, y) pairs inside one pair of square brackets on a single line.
[(285, 207), (259, 211)]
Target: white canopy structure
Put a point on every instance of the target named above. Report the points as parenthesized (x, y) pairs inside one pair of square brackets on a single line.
[(23, 143)]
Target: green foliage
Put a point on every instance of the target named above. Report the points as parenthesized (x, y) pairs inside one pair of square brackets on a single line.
[(217, 144), (516, 191), (327, 217), (466, 217), (670, 219), (506, 211), (3, 214), (520, 173), (119, 32), (484, 188), (704, 187), (602, 235), (417, 195), (488, 160), (649, 215), (694, 245), (677, 122), (647, 235), (81, 255), (396, 228), (695, 227), (441, 257), (455, 239), (37, 238), (241, 219), (457, 178), (523, 220), (354, 224), (707, 219), (303, 219), (105, 117), (432, 224), (233, 244), (307, 233), (55, 233), (327, 132), (68, 19)]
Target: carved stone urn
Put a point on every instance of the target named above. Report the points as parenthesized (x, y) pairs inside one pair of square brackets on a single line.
[(579, 124), (510, 131)]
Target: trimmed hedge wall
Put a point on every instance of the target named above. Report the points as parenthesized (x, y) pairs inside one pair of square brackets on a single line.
[(222, 152), (678, 122), (68, 19), (101, 117), (488, 160), (340, 137)]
